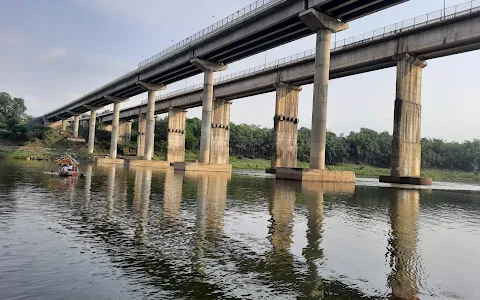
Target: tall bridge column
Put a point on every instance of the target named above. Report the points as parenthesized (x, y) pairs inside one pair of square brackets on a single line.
[(76, 121), (91, 130), (323, 25), (150, 117), (142, 125), (212, 158), (220, 139), (115, 124), (207, 104), (406, 147), (177, 119), (64, 125), (285, 125)]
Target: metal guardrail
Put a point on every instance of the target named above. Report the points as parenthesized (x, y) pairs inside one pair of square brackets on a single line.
[(387, 31), (235, 18)]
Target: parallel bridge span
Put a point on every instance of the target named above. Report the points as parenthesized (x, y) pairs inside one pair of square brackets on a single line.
[(436, 38), (261, 26)]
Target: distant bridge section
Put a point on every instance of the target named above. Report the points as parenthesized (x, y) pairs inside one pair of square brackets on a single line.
[(261, 26)]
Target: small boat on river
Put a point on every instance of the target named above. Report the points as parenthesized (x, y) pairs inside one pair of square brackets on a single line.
[(68, 166)]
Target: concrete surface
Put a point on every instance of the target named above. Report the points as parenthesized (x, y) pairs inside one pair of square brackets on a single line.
[(134, 163), (299, 174), (202, 167), (285, 126), (220, 132), (142, 126), (177, 119), (91, 131), (406, 150)]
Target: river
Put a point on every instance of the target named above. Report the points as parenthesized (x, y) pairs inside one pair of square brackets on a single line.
[(141, 233)]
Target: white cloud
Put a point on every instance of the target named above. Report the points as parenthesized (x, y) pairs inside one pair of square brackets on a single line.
[(53, 54)]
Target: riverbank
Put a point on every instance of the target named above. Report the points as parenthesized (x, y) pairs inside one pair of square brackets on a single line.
[(32, 152)]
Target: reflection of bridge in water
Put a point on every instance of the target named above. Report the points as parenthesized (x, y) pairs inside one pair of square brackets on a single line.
[(190, 259)]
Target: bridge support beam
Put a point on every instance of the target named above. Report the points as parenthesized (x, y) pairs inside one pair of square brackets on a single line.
[(323, 25), (209, 68), (220, 139), (406, 147), (285, 124), (64, 125), (142, 126), (91, 131), (176, 135)]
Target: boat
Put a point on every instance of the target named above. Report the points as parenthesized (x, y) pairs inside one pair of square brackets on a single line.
[(68, 166)]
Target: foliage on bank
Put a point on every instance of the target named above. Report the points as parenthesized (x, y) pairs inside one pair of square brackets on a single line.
[(366, 147)]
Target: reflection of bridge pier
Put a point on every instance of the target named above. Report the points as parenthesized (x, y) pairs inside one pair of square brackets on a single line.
[(172, 196), (313, 252), (144, 204), (137, 188), (282, 204), (110, 190), (211, 203), (402, 244), (88, 188)]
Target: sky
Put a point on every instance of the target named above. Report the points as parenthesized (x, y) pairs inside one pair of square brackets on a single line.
[(54, 51)]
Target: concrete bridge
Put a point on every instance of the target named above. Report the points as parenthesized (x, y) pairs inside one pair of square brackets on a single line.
[(406, 45)]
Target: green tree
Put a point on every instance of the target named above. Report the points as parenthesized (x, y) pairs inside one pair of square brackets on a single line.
[(12, 111)]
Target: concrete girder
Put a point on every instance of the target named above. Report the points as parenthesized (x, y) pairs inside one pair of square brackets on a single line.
[(74, 113), (115, 99), (92, 107), (316, 20), (205, 65), (151, 86), (414, 60)]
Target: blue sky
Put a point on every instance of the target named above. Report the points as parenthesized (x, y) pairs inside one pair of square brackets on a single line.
[(55, 51)]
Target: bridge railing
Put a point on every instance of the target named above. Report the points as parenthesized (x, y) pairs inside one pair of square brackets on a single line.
[(390, 30), (235, 18), (411, 24)]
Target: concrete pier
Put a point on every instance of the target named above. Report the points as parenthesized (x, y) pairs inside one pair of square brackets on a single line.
[(323, 25), (64, 125), (76, 122), (406, 147), (125, 132), (115, 125), (177, 119), (220, 132), (219, 142), (207, 104), (150, 117), (91, 131), (285, 124), (142, 126)]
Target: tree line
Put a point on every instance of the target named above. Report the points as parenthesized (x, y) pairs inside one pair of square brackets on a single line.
[(366, 146)]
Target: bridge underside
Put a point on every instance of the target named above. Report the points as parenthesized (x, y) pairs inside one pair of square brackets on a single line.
[(273, 27)]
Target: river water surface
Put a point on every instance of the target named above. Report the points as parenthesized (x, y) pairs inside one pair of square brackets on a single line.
[(151, 234)]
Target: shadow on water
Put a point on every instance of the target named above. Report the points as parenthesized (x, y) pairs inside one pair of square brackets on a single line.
[(166, 231)]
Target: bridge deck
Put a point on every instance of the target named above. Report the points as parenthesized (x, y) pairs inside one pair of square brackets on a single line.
[(270, 24)]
